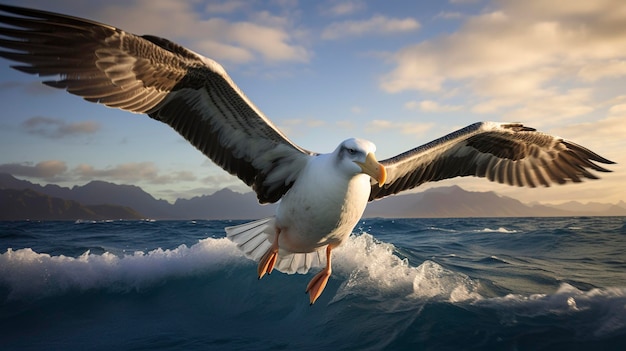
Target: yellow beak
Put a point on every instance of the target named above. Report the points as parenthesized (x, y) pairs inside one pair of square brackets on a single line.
[(374, 169)]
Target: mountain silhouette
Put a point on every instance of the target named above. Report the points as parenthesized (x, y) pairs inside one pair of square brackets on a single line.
[(451, 201)]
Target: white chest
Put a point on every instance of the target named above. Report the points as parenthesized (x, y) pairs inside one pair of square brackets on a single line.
[(321, 208)]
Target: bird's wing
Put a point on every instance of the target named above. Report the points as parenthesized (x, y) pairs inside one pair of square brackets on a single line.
[(147, 74), (502, 152)]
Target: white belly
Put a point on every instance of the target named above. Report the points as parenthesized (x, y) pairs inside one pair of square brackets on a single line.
[(320, 210)]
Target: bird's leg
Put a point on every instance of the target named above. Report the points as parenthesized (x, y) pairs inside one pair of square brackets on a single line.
[(318, 283), (267, 262)]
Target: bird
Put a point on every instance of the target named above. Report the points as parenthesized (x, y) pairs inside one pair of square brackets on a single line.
[(321, 196)]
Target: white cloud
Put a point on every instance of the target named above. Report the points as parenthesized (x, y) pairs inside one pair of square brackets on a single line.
[(376, 25), (268, 37), (600, 70), (430, 106), (343, 8), (523, 59), (540, 108), (406, 128), (553, 109), (505, 42)]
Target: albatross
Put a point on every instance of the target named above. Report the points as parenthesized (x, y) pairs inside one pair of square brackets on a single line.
[(321, 196)]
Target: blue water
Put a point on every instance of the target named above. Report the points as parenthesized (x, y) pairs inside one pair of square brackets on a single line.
[(414, 284)]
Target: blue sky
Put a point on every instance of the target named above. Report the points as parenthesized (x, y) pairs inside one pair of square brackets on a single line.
[(399, 73)]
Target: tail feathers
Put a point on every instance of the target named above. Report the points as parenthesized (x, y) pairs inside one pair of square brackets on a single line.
[(292, 262), (255, 238)]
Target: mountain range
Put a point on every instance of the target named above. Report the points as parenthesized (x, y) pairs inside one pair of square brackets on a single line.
[(21, 199)]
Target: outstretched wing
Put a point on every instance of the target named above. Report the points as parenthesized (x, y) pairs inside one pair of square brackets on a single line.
[(147, 74), (502, 152)]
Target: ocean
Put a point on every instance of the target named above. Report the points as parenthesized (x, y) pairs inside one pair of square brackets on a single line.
[(397, 284)]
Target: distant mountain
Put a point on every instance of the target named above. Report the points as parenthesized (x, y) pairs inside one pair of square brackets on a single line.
[(593, 207), (28, 204), (450, 201), (224, 204), (453, 201)]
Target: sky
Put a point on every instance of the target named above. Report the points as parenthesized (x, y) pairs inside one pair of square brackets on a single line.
[(398, 73)]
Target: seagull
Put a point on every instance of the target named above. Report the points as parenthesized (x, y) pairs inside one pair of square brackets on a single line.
[(321, 196)]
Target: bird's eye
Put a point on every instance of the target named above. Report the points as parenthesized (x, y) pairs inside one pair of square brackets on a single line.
[(351, 151)]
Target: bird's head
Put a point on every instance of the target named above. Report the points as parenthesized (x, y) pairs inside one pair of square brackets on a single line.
[(357, 156)]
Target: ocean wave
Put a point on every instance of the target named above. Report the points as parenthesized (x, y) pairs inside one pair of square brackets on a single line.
[(364, 269), (367, 266), (375, 272), (499, 230), (606, 307), (29, 274)]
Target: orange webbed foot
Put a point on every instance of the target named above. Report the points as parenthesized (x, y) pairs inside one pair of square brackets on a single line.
[(267, 262), (318, 283)]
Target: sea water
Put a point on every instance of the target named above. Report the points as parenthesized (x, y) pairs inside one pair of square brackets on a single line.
[(397, 284)]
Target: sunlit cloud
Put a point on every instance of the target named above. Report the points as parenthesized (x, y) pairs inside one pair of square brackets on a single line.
[(43, 170), (430, 106), (522, 59), (408, 128), (600, 70), (221, 39), (131, 172), (376, 25)]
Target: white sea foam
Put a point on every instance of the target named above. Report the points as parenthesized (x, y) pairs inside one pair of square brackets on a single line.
[(373, 269), (499, 230), (608, 304), (30, 274), (368, 266)]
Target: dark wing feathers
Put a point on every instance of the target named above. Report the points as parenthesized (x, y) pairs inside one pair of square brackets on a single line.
[(508, 153), (148, 74)]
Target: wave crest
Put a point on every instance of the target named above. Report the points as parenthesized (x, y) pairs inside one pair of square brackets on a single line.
[(28, 274), (374, 270)]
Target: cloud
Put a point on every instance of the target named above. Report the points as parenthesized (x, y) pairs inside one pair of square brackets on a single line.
[(357, 110), (57, 128), (430, 106), (411, 128), (45, 169), (521, 57), (553, 108), (296, 127), (343, 8), (378, 24), (607, 132), (221, 39), (131, 172), (600, 70), (225, 7), (449, 15)]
